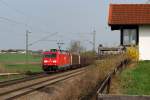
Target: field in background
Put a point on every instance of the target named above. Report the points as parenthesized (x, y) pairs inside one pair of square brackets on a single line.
[(12, 58), (136, 80), (17, 63)]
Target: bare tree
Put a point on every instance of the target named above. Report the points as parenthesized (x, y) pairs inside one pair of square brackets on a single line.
[(76, 47)]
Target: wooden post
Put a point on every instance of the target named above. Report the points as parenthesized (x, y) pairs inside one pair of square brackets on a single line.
[(121, 37), (108, 85)]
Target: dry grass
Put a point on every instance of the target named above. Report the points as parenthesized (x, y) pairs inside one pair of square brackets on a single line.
[(78, 87), (2, 69), (83, 86), (115, 86)]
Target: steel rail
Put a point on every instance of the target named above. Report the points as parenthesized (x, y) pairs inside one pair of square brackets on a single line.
[(32, 87), (28, 78), (23, 79)]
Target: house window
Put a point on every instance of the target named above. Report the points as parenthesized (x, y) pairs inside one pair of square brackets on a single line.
[(130, 36)]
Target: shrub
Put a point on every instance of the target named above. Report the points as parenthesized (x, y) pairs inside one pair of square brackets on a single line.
[(132, 53), (88, 54)]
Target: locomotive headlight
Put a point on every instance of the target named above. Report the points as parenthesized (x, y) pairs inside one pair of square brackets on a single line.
[(54, 61), (45, 61)]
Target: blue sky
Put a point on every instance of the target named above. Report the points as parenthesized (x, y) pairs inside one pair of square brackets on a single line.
[(72, 19)]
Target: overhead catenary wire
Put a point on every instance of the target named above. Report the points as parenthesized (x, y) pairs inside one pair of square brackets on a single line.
[(20, 23), (43, 39), (21, 13), (14, 21), (12, 8), (25, 24)]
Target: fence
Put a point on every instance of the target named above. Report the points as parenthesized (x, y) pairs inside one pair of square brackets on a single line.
[(107, 81), (103, 91), (105, 84)]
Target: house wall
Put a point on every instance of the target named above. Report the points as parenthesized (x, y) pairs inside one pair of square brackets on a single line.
[(144, 42)]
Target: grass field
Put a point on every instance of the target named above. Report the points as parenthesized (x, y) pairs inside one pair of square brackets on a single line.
[(10, 77), (7, 58), (16, 63), (24, 68), (136, 81)]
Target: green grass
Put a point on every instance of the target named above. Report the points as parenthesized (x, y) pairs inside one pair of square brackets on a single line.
[(18, 58), (11, 77), (24, 68), (136, 81), (16, 62)]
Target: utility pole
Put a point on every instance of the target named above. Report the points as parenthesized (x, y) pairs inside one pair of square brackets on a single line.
[(59, 45), (79, 46), (94, 40), (27, 45)]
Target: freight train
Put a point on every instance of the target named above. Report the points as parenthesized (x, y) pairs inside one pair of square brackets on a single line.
[(56, 59)]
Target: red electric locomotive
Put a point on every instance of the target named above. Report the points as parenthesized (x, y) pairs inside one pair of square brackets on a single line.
[(56, 60)]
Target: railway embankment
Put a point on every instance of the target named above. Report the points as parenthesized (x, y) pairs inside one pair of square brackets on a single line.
[(18, 88), (79, 87)]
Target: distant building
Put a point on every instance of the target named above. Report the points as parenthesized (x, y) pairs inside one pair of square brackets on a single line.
[(13, 51), (133, 21), (3, 51), (21, 51), (109, 50)]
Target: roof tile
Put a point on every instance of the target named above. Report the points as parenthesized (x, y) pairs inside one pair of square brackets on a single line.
[(129, 14)]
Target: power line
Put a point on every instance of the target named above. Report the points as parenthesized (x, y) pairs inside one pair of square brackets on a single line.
[(12, 21), (27, 44), (20, 23), (15, 22), (43, 39), (12, 8), (21, 13)]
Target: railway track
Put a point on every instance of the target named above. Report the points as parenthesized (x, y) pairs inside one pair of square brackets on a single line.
[(23, 79), (28, 78), (14, 90)]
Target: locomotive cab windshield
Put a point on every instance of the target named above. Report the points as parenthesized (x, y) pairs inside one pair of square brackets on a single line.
[(49, 55), (53, 50)]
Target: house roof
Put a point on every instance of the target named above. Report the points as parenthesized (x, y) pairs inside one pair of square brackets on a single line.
[(129, 14)]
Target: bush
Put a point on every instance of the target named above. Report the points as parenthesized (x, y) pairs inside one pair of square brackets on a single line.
[(89, 54), (132, 53)]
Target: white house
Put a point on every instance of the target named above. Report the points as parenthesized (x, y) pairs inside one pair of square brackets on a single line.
[(133, 21)]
